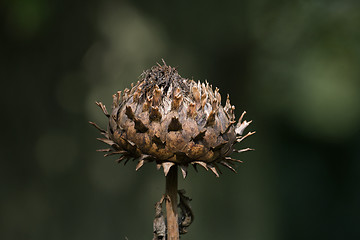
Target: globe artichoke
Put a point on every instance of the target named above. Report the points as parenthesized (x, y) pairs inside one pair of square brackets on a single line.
[(170, 120)]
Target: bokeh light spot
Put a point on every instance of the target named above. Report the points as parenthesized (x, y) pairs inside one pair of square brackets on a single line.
[(326, 96)]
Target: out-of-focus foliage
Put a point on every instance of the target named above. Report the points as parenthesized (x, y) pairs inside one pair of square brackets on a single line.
[(293, 65)]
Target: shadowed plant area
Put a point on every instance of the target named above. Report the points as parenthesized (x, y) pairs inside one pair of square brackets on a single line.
[(293, 66)]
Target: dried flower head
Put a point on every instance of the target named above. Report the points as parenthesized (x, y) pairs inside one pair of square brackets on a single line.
[(170, 120)]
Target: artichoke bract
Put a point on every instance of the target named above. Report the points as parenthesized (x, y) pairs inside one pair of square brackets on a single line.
[(170, 120)]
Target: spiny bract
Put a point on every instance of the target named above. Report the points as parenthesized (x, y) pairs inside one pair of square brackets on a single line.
[(171, 120)]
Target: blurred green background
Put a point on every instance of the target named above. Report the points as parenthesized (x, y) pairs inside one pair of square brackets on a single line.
[(292, 65)]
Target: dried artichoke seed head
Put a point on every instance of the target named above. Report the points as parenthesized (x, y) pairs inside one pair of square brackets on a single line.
[(170, 120)]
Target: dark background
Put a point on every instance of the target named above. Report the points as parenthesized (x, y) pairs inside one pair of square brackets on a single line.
[(292, 65)]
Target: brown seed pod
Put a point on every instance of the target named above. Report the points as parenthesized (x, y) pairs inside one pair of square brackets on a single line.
[(170, 120)]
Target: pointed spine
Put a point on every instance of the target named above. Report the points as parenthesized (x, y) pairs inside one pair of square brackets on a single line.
[(118, 97), (196, 94), (243, 150), (103, 108), (175, 104), (140, 126), (97, 127), (129, 113), (115, 152), (183, 170), (211, 119), (142, 161), (213, 169), (191, 112), (104, 150), (227, 104), (126, 160), (167, 166), (240, 126), (137, 94), (120, 159), (201, 163), (107, 141), (228, 166), (217, 95), (126, 94), (229, 159), (140, 164), (155, 115), (156, 96), (203, 99), (147, 104), (214, 105), (242, 116), (115, 103), (239, 139)]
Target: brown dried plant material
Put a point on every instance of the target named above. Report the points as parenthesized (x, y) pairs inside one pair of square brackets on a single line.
[(174, 122), (159, 225), (170, 120), (187, 215)]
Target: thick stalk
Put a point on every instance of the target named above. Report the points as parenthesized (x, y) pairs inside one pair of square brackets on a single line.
[(171, 204)]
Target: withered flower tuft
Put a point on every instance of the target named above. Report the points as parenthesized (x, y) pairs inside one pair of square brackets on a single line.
[(170, 120)]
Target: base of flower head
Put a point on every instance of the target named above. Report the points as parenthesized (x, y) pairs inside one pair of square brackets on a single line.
[(132, 153)]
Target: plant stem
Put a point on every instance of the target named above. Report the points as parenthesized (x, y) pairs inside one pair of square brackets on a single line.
[(171, 204)]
